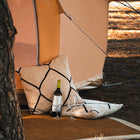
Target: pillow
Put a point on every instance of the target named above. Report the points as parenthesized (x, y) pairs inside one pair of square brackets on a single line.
[(91, 109), (40, 82)]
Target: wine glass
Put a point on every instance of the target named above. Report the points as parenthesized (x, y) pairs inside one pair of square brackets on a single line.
[(57, 112), (72, 102)]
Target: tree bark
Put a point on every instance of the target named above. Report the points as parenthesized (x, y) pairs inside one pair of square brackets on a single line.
[(9, 107)]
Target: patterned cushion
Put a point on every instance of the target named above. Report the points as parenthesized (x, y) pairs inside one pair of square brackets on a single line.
[(40, 82), (91, 109)]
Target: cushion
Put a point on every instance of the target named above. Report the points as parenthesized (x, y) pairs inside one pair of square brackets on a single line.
[(40, 82), (90, 109)]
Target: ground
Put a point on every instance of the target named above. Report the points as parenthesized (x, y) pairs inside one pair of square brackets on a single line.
[(124, 70)]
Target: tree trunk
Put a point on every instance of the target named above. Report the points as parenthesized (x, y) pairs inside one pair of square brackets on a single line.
[(9, 107)]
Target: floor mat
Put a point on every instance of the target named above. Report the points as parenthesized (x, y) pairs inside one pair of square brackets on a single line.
[(44, 127)]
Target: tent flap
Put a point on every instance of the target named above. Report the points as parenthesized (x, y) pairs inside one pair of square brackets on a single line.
[(89, 17)]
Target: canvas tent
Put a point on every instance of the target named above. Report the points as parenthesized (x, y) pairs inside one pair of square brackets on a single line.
[(49, 28), (45, 32)]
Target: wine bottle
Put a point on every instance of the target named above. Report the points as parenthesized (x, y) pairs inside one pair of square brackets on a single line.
[(57, 101)]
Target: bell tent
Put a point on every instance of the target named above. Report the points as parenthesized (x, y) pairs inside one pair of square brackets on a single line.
[(49, 28), (52, 33)]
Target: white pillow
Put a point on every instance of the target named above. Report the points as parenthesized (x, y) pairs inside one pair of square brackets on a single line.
[(91, 109), (40, 82)]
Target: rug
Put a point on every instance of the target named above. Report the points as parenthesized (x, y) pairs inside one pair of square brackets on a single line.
[(44, 127)]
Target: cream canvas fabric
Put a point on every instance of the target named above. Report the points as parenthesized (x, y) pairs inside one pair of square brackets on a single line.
[(40, 82), (44, 32)]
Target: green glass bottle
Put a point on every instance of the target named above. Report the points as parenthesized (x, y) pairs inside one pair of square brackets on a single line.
[(57, 101)]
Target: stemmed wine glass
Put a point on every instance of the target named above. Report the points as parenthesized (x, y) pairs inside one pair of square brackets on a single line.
[(72, 102), (57, 112)]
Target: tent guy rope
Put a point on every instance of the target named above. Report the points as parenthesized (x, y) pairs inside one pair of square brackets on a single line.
[(127, 13), (129, 6), (118, 66)]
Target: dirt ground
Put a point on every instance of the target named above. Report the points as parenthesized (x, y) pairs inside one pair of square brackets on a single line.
[(124, 70)]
